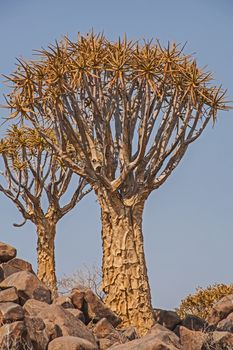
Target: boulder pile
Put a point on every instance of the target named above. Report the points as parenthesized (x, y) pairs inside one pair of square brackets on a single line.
[(31, 320)]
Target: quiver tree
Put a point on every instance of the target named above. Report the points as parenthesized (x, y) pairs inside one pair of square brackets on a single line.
[(130, 112), (36, 180)]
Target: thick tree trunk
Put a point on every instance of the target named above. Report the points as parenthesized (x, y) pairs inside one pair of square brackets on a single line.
[(125, 279), (46, 230)]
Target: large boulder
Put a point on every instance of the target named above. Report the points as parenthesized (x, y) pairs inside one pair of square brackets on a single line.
[(158, 338), (78, 314), (10, 312), (1, 274), (16, 265), (192, 340), (33, 307), (37, 332), (28, 287), (219, 341), (54, 316), (167, 318), (71, 343), (9, 294), (194, 323), (14, 336), (77, 297), (130, 333), (221, 309), (93, 308), (226, 324), (7, 252), (105, 330), (63, 301), (105, 343)]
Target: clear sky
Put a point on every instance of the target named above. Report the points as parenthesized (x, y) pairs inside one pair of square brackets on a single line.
[(188, 223)]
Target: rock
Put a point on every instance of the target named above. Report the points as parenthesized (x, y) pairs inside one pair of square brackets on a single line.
[(97, 310), (55, 316), (222, 337), (105, 343), (221, 309), (92, 307), (192, 340), (33, 307), (219, 341), (78, 314), (7, 252), (63, 301), (14, 336), (28, 287), (37, 332), (1, 274), (10, 312), (130, 333), (168, 319), (158, 338), (226, 324), (77, 298), (194, 323), (9, 294), (104, 329), (16, 265), (71, 343)]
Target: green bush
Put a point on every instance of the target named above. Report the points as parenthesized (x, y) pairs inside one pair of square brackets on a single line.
[(201, 302)]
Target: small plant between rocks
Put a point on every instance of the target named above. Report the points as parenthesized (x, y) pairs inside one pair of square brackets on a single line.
[(200, 303)]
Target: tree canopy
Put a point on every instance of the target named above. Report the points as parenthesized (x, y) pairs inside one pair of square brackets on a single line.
[(130, 110), (32, 172)]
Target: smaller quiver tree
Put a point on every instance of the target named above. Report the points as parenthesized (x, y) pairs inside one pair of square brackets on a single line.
[(35, 181)]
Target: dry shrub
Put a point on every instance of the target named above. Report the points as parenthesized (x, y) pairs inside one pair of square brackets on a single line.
[(201, 302), (87, 276)]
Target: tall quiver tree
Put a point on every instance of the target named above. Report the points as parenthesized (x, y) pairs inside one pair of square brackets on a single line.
[(36, 181), (130, 111)]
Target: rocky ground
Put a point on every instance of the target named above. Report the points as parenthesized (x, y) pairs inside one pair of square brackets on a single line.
[(31, 320)]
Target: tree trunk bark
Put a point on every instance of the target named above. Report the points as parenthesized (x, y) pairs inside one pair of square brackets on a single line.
[(46, 231), (125, 279)]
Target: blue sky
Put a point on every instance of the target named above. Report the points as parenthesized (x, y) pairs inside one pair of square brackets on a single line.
[(188, 223)]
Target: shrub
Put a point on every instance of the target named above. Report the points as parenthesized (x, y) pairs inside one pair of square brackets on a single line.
[(201, 302), (87, 276)]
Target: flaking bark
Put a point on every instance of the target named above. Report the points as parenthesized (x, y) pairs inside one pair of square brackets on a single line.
[(46, 231), (125, 280)]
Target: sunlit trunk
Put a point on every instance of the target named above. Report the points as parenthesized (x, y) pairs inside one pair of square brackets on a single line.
[(125, 279), (46, 231)]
